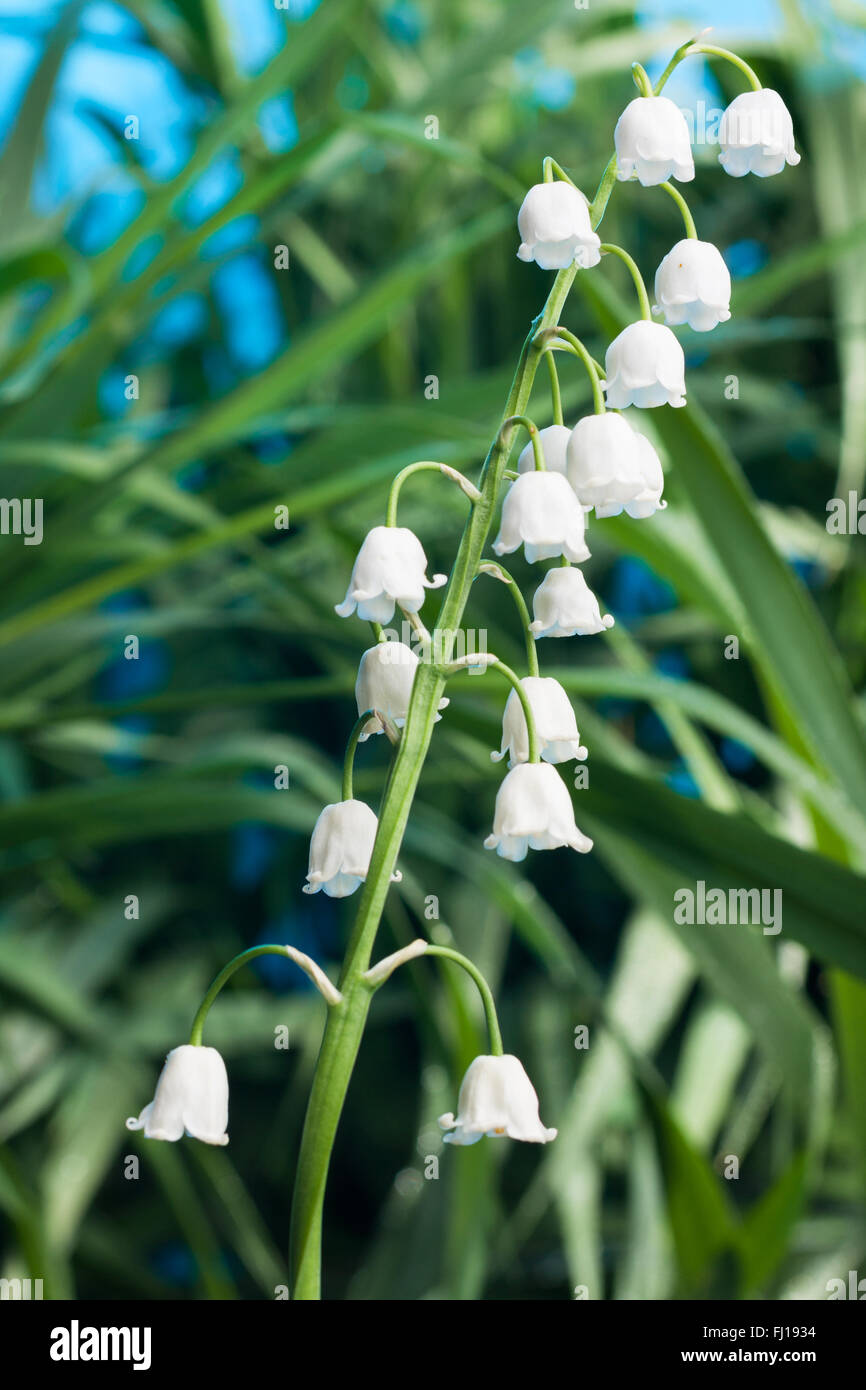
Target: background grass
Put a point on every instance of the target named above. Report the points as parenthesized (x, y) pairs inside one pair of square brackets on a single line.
[(154, 258)]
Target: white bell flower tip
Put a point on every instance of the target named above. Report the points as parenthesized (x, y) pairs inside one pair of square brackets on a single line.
[(554, 228), (390, 568), (556, 726), (613, 467), (192, 1097), (652, 141), (554, 442), (756, 135), (541, 513), (497, 1100), (693, 286), (340, 848), (645, 367), (533, 811), (564, 606)]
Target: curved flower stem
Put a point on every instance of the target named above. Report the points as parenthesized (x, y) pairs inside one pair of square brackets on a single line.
[(691, 229), (532, 430), (550, 167), (345, 1025), (695, 46), (427, 466), (493, 1031), (378, 634), (682, 52), (605, 188), (641, 80), (609, 249), (555, 393), (738, 62), (497, 572), (349, 759), (491, 662), (307, 965), (577, 348)]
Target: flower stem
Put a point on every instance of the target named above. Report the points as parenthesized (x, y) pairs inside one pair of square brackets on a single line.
[(520, 601), (550, 168), (555, 393), (608, 249), (345, 1024), (493, 1031), (691, 229), (522, 696), (738, 62), (605, 188), (225, 974), (532, 430), (578, 349), (349, 759), (695, 46), (427, 466)]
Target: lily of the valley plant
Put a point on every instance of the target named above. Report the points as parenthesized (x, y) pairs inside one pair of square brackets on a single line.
[(564, 478)]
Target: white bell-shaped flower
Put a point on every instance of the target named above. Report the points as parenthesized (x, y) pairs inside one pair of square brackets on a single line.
[(533, 811), (497, 1099), (650, 500), (652, 141), (340, 849), (613, 468), (192, 1095), (693, 285), (645, 367), (564, 606), (756, 135), (553, 440), (391, 568), (554, 228), (386, 674), (541, 513), (555, 724)]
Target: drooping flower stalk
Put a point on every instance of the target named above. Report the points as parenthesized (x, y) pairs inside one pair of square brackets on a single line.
[(345, 1026), (602, 465)]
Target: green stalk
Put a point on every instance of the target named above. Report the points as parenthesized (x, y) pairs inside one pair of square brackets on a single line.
[(691, 229), (493, 1031), (497, 572), (349, 759), (608, 249), (225, 974), (345, 1025)]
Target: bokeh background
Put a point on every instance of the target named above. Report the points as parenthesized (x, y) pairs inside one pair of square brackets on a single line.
[(164, 387)]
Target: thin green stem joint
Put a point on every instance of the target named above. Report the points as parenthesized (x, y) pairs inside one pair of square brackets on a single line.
[(550, 168), (532, 430)]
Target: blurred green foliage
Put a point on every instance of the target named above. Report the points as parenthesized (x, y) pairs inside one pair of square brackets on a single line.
[(705, 1041)]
